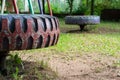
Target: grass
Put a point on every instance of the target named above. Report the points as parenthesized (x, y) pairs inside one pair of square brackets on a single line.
[(103, 39), (86, 42), (97, 40), (111, 25), (90, 43), (107, 43)]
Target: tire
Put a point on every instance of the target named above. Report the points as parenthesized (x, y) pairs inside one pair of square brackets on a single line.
[(21, 32), (82, 20)]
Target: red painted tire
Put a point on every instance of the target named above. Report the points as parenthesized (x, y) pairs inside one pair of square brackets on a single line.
[(21, 32)]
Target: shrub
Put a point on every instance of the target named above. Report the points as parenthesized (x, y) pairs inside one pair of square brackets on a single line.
[(81, 10)]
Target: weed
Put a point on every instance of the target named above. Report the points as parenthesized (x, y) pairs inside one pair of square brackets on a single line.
[(44, 72), (15, 75), (43, 64), (117, 63), (14, 65)]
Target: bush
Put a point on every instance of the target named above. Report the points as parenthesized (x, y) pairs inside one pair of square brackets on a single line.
[(81, 10), (55, 8), (20, 4)]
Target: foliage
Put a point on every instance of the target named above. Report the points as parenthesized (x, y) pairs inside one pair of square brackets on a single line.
[(39, 70), (20, 4), (92, 42), (14, 64), (99, 5), (70, 5), (35, 6), (81, 10), (43, 64), (15, 75), (106, 4), (55, 8)]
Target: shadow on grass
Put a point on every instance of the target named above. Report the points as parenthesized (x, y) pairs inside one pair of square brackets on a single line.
[(77, 31), (100, 30)]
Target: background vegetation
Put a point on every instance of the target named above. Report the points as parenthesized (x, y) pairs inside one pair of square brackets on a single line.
[(103, 39), (84, 6), (75, 6)]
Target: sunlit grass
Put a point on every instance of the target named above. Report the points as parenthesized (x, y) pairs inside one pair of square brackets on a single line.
[(85, 43), (80, 43), (89, 43), (107, 43), (110, 24)]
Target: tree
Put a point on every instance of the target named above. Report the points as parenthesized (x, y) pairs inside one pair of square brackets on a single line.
[(87, 2), (92, 7), (20, 4), (70, 4)]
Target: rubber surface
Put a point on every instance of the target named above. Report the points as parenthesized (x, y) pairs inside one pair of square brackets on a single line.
[(82, 20), (21, 32)]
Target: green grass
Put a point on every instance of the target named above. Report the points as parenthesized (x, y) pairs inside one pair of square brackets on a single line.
[(83, 42), (104, 39), (111, 25), (107, 43)]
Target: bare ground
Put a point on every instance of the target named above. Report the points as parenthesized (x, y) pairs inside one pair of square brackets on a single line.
[(92, 66), (87, 67)]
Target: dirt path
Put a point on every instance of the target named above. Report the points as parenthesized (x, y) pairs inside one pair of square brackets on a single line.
[(87, 67), (81, 67)]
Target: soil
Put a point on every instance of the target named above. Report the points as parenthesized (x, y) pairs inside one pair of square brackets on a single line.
[(87, 67), (92, 66), (89, 29)]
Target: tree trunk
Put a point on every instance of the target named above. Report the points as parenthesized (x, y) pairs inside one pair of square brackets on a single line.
[(92, 7), (87, 3)]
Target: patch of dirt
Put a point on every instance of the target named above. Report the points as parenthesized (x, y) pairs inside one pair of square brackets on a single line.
[(86, 67), (92, 66), (107, 30)]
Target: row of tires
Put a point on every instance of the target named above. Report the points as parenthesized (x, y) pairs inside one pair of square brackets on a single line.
[(20, 32)]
